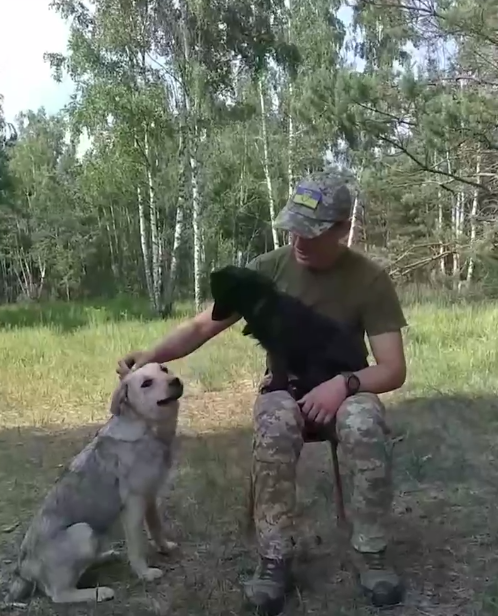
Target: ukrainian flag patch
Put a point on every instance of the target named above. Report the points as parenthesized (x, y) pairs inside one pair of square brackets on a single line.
[(307, 197)]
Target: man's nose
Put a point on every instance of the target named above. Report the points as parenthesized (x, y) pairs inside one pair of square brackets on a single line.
[(301, 241)]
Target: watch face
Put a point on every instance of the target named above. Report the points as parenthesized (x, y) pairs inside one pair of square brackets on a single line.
[(353, 383)]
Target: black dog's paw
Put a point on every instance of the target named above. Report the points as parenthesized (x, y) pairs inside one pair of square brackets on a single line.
[(267, 386), (272, 383)]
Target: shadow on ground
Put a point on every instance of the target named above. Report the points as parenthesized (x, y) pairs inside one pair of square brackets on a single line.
[(444, 537)]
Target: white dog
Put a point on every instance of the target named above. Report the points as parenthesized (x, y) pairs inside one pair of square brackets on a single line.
[(117, 475)]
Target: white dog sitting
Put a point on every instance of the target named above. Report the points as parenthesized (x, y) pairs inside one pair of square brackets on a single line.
[(117, 475)]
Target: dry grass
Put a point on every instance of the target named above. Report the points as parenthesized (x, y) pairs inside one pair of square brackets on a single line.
[(57, 375)]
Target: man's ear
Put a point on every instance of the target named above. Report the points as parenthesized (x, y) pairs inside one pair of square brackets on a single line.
[(343, 228), (119, 399)]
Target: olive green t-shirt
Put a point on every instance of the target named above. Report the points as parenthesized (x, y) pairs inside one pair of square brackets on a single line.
[(356, 290)]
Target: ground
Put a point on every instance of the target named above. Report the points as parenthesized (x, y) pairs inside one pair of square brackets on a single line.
[(57, 375)]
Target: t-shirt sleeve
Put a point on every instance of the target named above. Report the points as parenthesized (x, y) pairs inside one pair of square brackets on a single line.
[(255, 264), (263, 263), (382, 311)]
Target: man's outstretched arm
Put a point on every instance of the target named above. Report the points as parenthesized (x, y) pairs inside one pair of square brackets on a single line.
[(182, 341)]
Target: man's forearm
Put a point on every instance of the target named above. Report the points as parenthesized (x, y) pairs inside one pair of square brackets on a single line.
[(380, 378), (189, 336), (185, 339)]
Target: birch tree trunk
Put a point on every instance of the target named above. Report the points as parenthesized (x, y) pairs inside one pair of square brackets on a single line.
[(357, 216), (113, 243), (473, 223), (458, 225), (440, 228), (237, 253), (169, 295), (42, 267), (458, 217), (290, 145), (177, 242), (192, 137), (155, 243), (144, 244), (441, 262), (266, 163), (196, 207), (191, 105), (355, 229)]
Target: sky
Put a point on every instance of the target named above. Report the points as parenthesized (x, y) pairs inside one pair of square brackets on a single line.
[(29, 29)]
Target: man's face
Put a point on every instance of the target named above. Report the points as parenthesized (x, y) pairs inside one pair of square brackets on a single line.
[(319, 252)]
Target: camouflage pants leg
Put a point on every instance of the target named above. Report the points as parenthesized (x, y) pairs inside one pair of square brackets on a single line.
[(364, 439), (277, 445)]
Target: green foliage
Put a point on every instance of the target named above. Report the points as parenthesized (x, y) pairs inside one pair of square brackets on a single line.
[(176, 181)]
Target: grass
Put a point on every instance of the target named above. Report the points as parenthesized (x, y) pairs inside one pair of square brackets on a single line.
[(57, 376)]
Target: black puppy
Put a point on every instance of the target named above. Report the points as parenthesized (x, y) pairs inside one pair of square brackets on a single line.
[(299, 341)]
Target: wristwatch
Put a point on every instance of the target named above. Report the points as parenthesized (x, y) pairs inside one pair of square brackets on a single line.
[(352, 383)]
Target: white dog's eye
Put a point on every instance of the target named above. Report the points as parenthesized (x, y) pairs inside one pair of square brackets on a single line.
[(147, 383)]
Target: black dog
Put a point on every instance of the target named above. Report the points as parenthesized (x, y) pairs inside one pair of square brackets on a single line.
[(299, 341)]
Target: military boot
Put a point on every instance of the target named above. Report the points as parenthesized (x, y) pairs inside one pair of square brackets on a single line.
[(378, 580), (270, 584)]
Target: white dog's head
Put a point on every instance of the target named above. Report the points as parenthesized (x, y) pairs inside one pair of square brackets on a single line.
[(152, 392)]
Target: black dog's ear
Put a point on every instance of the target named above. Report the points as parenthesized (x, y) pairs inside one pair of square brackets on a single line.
[(221, 312), (222, 308)]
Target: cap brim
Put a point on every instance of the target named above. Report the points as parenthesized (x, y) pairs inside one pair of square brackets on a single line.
[(303, 226)]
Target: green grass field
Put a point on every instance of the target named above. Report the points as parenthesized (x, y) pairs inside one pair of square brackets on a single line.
[(58, 372)]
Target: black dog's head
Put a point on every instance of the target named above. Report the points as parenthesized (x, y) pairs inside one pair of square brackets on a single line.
[(238, 290)]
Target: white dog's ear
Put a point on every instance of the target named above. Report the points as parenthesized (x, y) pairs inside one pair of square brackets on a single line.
[(119, 398), (123, 369)]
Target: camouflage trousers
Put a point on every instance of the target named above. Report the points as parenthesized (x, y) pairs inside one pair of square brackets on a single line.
[(363, 437)]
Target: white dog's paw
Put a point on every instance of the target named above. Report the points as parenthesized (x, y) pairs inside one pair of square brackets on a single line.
[(151, 574), (104, 593), (166, 546), (82, 595)]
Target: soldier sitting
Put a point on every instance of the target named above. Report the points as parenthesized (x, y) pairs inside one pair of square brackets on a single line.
[(319, 269)]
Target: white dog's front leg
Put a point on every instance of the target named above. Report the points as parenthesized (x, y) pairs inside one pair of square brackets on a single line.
[(156, 530), (133, 522)]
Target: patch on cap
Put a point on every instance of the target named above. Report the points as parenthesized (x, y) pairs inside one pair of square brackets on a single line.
[(307, 197)]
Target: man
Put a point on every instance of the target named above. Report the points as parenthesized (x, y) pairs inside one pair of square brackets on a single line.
[(323, 272)]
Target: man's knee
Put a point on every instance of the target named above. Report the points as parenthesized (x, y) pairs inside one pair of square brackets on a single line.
[(361, 420), (278, 426)]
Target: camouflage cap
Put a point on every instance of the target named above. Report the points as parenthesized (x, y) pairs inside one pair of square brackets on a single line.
[(319, 200)]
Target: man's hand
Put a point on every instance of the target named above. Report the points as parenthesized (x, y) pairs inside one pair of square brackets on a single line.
[(322, 403), (132, 361)]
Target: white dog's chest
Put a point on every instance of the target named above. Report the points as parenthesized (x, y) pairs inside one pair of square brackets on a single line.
[(144, 465)]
